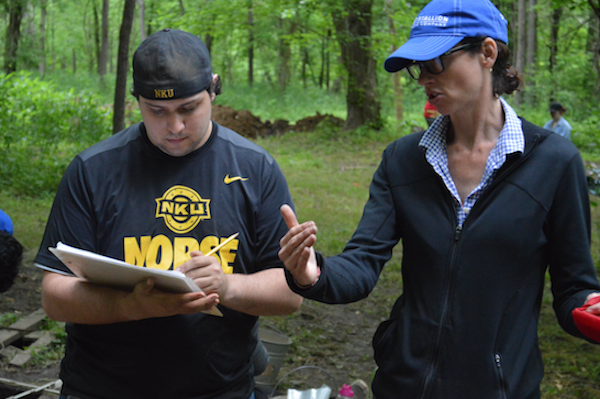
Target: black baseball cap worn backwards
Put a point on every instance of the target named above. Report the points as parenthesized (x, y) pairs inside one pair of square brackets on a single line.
[(171, 64)]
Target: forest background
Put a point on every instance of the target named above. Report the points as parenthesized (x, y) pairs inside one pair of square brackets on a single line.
[(66, 75)]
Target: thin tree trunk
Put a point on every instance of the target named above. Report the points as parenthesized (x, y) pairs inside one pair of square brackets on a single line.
[(123, 66), (595, 4), (103, 59), (285, 55), (596, 53), (531, 36), (13, 34), (554, 37), (328, 62), (250, 46), (142, 18), (304, 64), (521, 45), (42, 64), (396, 83), (531, 53), (181, 8), (208, 39), (353, 28), (74, 61), (96, 36), (53, 43)]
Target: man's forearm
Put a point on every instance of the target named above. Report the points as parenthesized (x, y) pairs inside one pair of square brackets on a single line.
[(264, 293), (71, 300)]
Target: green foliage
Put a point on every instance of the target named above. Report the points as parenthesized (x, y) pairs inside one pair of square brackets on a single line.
[(41, 130), (6, 319), (585, 135), (53, 352)]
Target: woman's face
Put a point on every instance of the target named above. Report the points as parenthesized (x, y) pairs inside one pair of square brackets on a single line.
[(465, 81), (556, 115)]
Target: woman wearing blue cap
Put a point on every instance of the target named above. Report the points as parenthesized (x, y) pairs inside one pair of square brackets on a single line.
[(484, 203)]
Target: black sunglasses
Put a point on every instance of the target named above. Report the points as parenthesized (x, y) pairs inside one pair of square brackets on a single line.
[(436, 65)]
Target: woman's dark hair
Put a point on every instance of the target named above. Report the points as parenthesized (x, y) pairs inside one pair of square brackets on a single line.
[(11, 255), (557, 107), (505, 76)]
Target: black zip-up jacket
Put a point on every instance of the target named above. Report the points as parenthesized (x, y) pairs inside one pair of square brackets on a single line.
[(466, 323)]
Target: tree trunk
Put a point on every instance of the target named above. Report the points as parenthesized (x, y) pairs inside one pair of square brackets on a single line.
[(285, 54), (531, 36), (596, 53), (328, 62), (250, 46), (103, 60), (123, 66), (181, 8), (96, 36), (395, 77), (42, 64), (74, 61), (595, 4), (142, 18), (531, 53), (554, 37), (208, 39), (324, 50), (521, 46), (15, 10), (53, 41), (304, 65), (353, 28)]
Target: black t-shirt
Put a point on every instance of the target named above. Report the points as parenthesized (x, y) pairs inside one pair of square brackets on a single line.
[(126, 199)]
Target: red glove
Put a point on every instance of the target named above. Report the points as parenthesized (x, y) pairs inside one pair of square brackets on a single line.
[(588, 323)]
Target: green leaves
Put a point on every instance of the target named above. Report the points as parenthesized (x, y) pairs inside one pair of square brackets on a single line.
[(42, 128)]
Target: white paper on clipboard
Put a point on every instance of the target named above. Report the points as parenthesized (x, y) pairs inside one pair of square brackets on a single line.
[(103, 270)]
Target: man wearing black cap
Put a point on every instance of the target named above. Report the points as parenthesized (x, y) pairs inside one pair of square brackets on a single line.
[(160, 194)]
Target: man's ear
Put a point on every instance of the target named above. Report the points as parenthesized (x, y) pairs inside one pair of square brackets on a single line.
[(213, 94)]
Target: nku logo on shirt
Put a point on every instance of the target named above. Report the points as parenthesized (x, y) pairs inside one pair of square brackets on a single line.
[(182, 208)]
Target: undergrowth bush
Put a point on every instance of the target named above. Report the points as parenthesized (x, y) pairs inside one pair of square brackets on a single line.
[(41, 128)]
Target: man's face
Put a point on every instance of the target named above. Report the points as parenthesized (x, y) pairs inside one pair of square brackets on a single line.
[(178, 127)]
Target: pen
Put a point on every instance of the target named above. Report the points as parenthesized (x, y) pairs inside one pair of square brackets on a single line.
[(215, 249)]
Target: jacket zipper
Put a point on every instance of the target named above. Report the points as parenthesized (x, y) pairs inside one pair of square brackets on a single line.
[(498, 360), (457, 233), (439, 335)]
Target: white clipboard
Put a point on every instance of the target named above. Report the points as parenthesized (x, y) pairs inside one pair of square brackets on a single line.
[(102, 270)]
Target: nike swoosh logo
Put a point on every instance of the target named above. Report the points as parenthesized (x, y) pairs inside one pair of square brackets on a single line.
[(229, 180)]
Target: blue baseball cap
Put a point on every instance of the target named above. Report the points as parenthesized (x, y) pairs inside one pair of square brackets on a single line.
[(5, 222), (442, 24)]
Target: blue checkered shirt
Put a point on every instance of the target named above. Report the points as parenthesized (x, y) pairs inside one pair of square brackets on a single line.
[(433, 143)]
